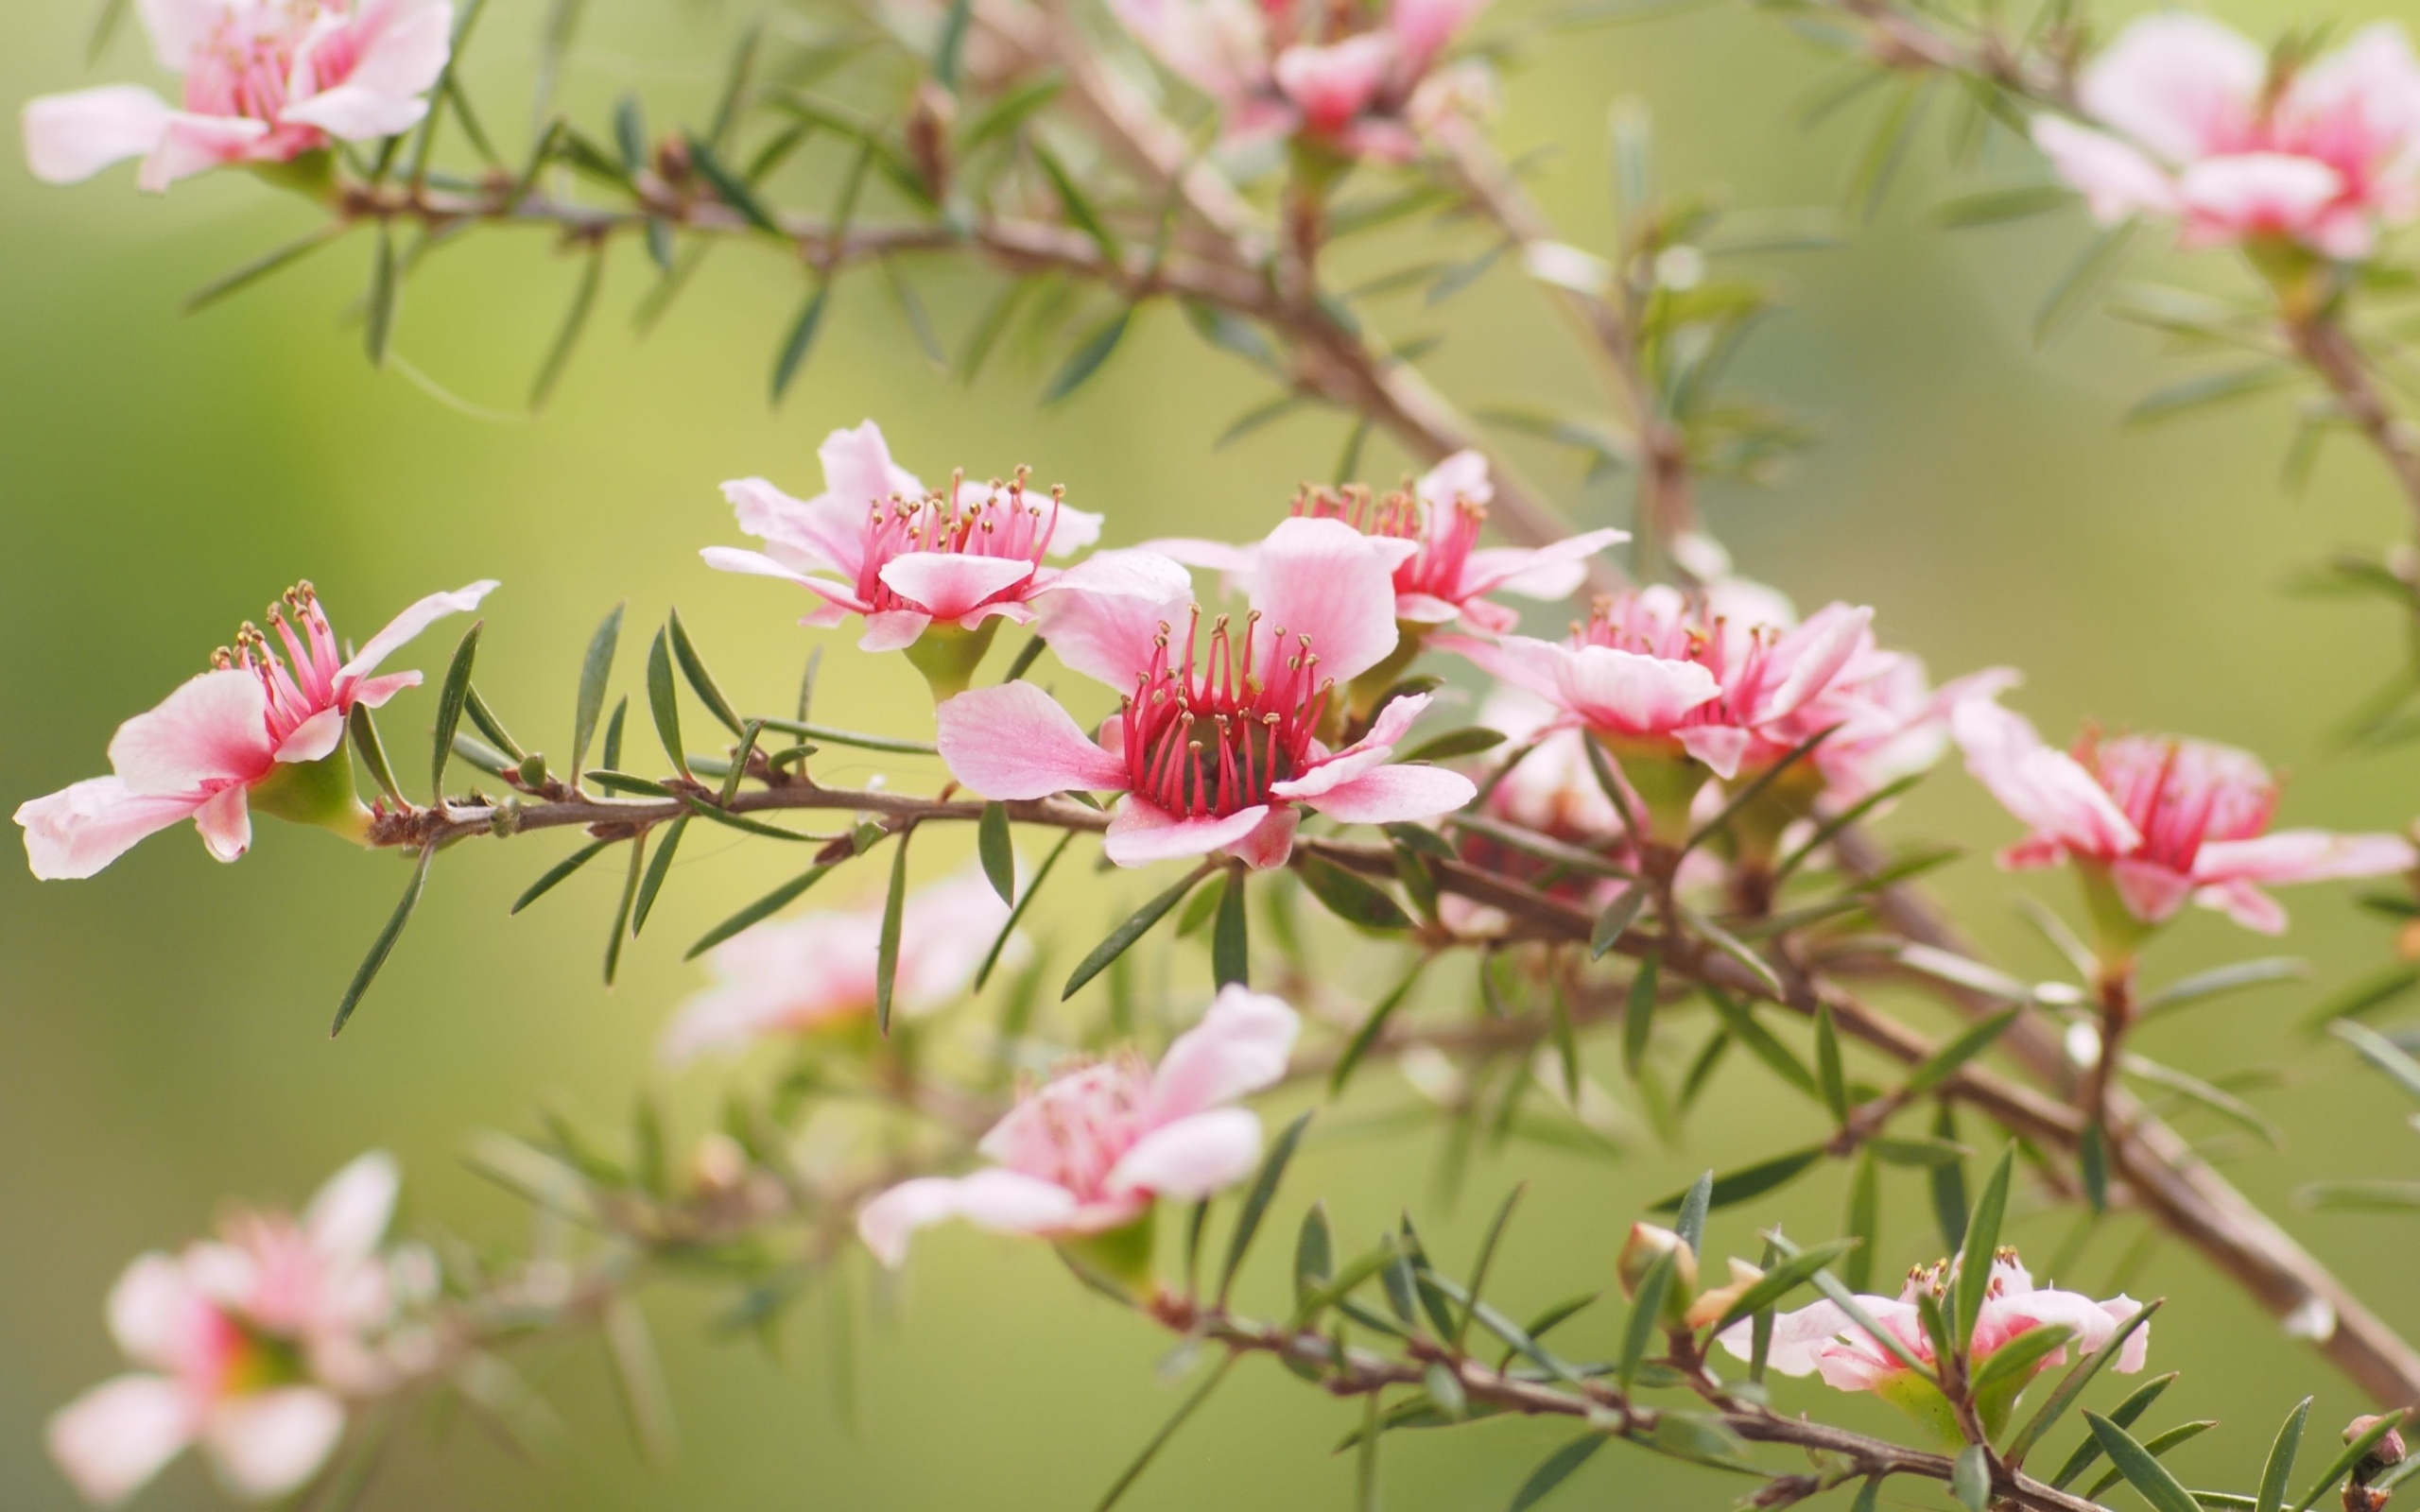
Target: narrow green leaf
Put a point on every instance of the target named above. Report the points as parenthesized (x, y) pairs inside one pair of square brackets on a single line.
[(611, 781), (801, 339), (1729, 944), (701, 683), (2279, 1468), (262, 266), (372, 753), (1996, 207), (1970, 1478), (764, 907), (851, 737), (1846, 1300), (559, 871), (1372, 1026), (1555, 1469), (1348, 894), (1829, 1074), (1645, 1310), (1008, 112), (1486, 1259), (639, 1380), (1009, 925), (1087, 358), (1741, 1020), (1078, 205), (998, 855), (1455, 744), (622, 914), (2092, 1166), (1863, 1221), (583, 304), (2342, 1463), (384, 294), (1948, 1182), (894, 908), (2380, 1052), (456, 687), (1135, 927), (2152, 1448), (652, 883), (1753, 1180), (1638, 1012), (1616, 921), (1027, 656), (1314, 1254), (951, 43), (1943, 1063), (732, 189), (1230, 936), (2203, 985), (1983, 1241), (385, 944), (2016, 1359), (2364, 996), (596, 672), (1192, 1404), (2203, 393), (1823, 832), (2226, 1105), (2084, 277), (1783, 1278), (1754, 788), (664, 703), (1690, 1220), (1256, 1200), (612, 755), (2071, 1387)]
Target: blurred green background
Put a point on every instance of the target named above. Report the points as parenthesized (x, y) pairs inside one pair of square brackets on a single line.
[(162, 1037)]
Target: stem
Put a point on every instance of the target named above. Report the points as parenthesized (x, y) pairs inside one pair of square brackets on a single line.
[(2320, 340)]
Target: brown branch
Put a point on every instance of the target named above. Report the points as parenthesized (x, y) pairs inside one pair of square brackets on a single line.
[(2321, 340)]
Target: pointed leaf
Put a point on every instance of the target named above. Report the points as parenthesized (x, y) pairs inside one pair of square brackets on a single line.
[(763, 908), (1753, 1180), (664, 703), (455, 688), (1983, 1241), (583, 304), (1367, 1035), (1690, 1220), (652, 883), (2152, 1449), (559, 871), (1349, 895), (693, 668), (1638, 1012), (1256, 1200), (385, 944), (622, 914), (1135, 927), (2088, 1453), (2017, 1358), (384, 294), (1555, 1469), (372, 752), (1230, 937), (1646, 1309), (2082, 279), (2279, 1467), (1000, 857), (2204, 986), (894, 908), (1614, 921), (1828, 1074), (1151, 1451), (1863, 1222), (1009, 925), (2342, 1463), (1088, 357), (1782, 1278), (1970, 1478), (2071, 1386), (1943, 1063), (801, 339)]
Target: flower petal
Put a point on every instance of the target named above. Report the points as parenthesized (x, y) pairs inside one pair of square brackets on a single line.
[(1629, 693), (1393, 794), (950, 584), (859, 474), (2046, 789), (1394, 722), (1191, 1158), (1332, 589), (1141, 833), (1103, 616), (267, 1443), (892, 630), (413, 620), (116, 1437), (1005, 1201), (1015, 741), (71, 137), (2303, 855), (1218, 555), (2182, 85), (1240, 1046), (152, 1310), (826, 532), (349, 1215), (196, 144), (213, 728), (78, 829), (225, 821), (315, 737), (2117, 181)]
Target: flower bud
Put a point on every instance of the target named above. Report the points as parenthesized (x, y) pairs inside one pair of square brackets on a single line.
[(2383, 1455), (1715, 1301), (1646, 1245)]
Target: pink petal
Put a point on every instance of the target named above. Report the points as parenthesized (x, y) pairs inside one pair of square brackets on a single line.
[(949, 584), (1547, 572), (858, 471), (268, 1443), (151, 1312), (77, 830), (1219, 556), (1072, 531), (1525, 661), (1331, 84), (194, 144), (1240, 1046), (226, 823), (400, 47), (2137, 1347), (71, 137), (1005, 1201), (376, 691), (178, 27), (1141, 833), (1719, 746), (1331, 587), (1015, 741), (1815, 653), (314, 737), (1368, 753), (2246, 904), (2249, 193), (213, 728), (2150, 892), (1192, 1157), (892, 630), (353, 113), (2117, 181), (114, 1438), (404, 626), (1625, 692), (1271, 844), (349, 1215), (2303, 855), (836, 596), (827, 533), (1395, 794), (2184, 86), (1102, 616), (2044, 788), (1428, 608), (1461, 478)]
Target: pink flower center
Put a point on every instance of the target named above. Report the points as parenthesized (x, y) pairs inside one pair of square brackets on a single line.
[(247, 66), (1203, 743), (1006, 524), (305, 682), (1740, 661), (1080, 1123), (1438, 567), (2180, 793)]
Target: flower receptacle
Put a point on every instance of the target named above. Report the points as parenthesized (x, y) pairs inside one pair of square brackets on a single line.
[(317, 793)]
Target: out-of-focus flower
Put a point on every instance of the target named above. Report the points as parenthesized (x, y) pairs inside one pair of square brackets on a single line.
[(252, 1344), (1087, 1151), (795, 977), (1218, 742), (255, 732), (1428, 537), (1550, 791), (1820, 1339), (2200, 129), (265, 82), (930, 573), (2153, 820), (1358, 94)]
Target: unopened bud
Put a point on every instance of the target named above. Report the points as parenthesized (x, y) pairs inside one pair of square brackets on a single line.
[(2383, 1455), (672, 161), (718, 1164), (1715, 1301), (533, 769), (1646, 1245), (930, 117)]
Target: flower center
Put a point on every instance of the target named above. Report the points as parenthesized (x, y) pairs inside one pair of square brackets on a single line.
[(1008, 524), (248, 64), (1083, 1122), (2180, 793), (302, 683), (1437, 568), (1205, 741)]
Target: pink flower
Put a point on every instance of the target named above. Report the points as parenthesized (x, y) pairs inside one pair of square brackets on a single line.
[(266, 81), (1887, 720), (1428, 538), (2164, 819), (1660, 672), (255, 730), (253, 1342), (1820, 1339), (1215, 746), (2197, 129), (1088, 1150), (818, 970)]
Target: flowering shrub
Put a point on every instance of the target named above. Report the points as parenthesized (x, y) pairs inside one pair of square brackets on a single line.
[(1653, 842)]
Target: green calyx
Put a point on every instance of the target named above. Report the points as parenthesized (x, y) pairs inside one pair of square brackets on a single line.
[(1366, 690), (312, 175), (1666, 781), (316, 793), (1921, 1400), (947, 655), (1118, 1259), (2116, 933)]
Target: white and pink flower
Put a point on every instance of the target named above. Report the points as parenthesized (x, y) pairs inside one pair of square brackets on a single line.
[(265, 82), (2195, 126), (254, 731), (781, 980), (1428, 538), (1821, 1340), (1089, 1150), (1217, 745), (2162, 819), (253, 1345)]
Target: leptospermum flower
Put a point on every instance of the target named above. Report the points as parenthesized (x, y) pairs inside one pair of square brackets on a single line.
[(1820, 1339), (252, 1344), (931, 574), (2202, 128), (1219, 744), (2151, 822), (1083, 1156), (818, 972), (266, 81), (257, 732), (1675, 689)]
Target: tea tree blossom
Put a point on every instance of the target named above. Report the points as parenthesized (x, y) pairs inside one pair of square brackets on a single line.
[(2152, 821), (930, 573), (1821, 1340), (1088, 1152), (266, 81), (1222, 737), (259, 731), (252, 1346), (2198, 125), (817, 971)]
